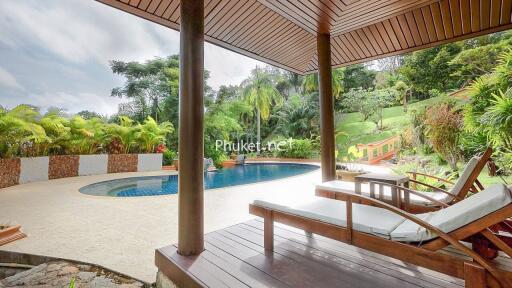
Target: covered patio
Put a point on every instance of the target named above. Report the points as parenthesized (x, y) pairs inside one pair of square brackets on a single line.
[(303, 36)]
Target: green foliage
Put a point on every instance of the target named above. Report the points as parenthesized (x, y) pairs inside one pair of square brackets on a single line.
[(24, 132), (299, 148), (169, 156), (444, 127)]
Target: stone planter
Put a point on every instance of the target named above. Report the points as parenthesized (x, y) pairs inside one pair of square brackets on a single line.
[(9, 172), (63, 166), (118, 163), (228, 163), (93, 164), (149, 162), (348, 176), (34, 169)]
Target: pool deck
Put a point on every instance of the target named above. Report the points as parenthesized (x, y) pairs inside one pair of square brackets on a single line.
[(123, 233)]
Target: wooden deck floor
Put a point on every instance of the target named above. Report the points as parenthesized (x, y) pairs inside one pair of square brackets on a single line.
[(234, 257)]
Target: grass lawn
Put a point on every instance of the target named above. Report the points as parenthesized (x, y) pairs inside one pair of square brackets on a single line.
[(352, 129)]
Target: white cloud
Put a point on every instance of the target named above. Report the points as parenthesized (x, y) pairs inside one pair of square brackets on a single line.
[(74, 103), (7, 80)]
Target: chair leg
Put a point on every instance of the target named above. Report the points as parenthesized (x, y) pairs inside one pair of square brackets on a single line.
[(474, 275), (268, 231)]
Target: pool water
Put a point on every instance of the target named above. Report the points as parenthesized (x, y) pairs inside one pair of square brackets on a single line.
[(166, 185)]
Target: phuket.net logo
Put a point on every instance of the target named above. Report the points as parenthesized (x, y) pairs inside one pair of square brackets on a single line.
[(253, 147)]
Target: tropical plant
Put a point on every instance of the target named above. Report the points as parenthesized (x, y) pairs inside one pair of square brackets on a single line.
[(299, 149), (444, 127), (310, 83), (150, 134), (260, 93), (498, 119)]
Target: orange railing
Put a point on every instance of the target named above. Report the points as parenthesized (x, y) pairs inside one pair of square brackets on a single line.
[(373, 153)]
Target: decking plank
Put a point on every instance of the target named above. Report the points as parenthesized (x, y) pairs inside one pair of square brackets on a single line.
[(235, 257)]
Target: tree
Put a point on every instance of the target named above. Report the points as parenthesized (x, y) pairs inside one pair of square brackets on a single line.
[(147, 84), (401, 92), (86, 114), (310, 83), (260, 93), (358, 76), (443, 129)]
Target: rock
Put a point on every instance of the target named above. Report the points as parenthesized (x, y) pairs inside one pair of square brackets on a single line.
[(86, 276)]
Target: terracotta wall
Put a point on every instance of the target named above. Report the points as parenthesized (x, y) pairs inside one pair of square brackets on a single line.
[(63, 166), (9, 172), (118, 163)]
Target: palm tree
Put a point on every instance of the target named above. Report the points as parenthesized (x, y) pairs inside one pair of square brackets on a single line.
[(260, 93), (310, 82)]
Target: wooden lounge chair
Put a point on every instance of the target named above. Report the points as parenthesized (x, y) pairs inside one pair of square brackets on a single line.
[(415, 201), (416, 239)]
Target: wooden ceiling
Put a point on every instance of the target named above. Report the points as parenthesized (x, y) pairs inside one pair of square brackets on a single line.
[(283, 32)]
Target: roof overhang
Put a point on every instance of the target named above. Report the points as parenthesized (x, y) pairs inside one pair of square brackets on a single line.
[(283, 32)]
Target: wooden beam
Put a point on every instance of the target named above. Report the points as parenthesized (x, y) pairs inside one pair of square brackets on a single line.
[(191, 196), (326, 107)]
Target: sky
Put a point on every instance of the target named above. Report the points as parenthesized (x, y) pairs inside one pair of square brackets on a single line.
[(57, 53)]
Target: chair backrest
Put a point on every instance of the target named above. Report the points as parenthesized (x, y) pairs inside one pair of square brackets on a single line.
[(472, 208), (470, 174)]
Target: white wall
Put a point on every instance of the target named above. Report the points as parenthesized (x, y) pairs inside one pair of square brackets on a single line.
[(93, 164), (34, 169), (149, 162)]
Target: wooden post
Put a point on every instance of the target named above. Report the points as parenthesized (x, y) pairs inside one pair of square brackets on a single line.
[(268, 231), (474, 275), (327, 140), (191, 218)]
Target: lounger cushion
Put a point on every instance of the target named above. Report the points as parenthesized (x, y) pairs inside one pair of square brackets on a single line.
[(365, 219), (348, 187), (468, 169), (457, 215)]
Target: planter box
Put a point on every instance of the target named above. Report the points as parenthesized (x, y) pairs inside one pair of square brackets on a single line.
[(34, 169), (348, 176), (9, 172), (149, 162), (228, 163), (118, 163), (63, 166), (93, 164)]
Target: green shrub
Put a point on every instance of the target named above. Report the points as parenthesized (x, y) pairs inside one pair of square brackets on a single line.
[(299, 148), (168, 157)]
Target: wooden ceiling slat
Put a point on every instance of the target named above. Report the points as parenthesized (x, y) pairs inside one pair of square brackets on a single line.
[(352, 46), (447, 19), (344, 48), (506, 11), (466, 16), (366, 42), (134, 3), (372, 40), (162, 7), (125, 1), (340, 50), (168, 12), (485, 11), (238, 20), (420, 22), (411, 22), (378, 38), (456, 17), (475, 15), (398, 32), (144, 4), (252, 25), (223, 18), (291, 12), (246, 22), (287, 35), (495, 12), (153, 5), (406, 31), (268, 18), (429, 23), (274, 22), (385, 37), (438, 21), (358, 42)]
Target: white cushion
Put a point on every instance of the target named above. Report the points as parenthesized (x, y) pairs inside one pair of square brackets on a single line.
[(456, 216), (365, 219), (381, 222), (468, 169)]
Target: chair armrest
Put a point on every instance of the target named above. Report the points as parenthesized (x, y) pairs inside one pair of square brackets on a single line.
[(437, 189), (430, 176), (417, 193)]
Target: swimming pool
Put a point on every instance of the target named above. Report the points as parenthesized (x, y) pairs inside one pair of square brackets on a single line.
[(166, 185)]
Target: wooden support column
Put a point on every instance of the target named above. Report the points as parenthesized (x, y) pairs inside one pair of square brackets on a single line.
[(327, 141), (191, 142)]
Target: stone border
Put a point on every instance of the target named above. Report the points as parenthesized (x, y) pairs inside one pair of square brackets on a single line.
[(24, 170)]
